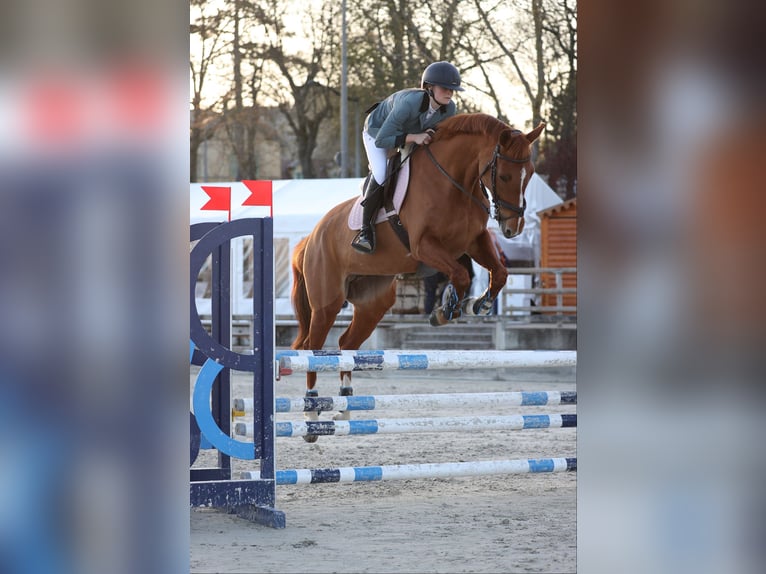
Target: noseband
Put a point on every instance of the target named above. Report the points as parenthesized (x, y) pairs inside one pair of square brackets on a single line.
[(492, 167)]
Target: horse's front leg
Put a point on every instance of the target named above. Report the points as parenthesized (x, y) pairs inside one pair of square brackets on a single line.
[(454, 293), (429, 251), (485, 254)]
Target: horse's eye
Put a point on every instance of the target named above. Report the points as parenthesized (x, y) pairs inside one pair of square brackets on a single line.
[(505, 178)]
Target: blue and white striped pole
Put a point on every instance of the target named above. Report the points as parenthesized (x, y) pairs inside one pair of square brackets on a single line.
[(414, 471), (320, 361), (243, 406), (414, 425)]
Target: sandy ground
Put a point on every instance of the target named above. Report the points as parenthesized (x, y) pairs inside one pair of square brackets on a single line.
[(516, 523)]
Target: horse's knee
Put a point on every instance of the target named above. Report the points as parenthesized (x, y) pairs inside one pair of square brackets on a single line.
[(499, 279), (461, 281)]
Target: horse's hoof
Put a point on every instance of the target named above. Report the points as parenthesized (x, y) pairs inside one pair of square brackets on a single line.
[(482, 306), (310, 416), (437, 318)]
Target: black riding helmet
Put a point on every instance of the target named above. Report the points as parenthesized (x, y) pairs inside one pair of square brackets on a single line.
[(442, 74)]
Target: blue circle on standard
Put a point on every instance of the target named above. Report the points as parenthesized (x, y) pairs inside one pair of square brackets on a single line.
[(204, 416)]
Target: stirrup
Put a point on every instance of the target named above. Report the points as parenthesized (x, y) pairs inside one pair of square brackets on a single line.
[(364, 242)]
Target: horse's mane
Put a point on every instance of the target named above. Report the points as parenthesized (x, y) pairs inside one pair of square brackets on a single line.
[(479, 124)]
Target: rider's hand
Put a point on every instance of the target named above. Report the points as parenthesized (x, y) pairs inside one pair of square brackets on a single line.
[(421, 139)]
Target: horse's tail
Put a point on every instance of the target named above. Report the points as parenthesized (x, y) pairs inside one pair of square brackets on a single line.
[(299, 296)]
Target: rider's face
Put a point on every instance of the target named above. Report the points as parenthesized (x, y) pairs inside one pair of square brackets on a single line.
[(442, 96)]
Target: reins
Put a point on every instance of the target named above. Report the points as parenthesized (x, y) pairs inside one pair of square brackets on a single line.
[(492, 166), (456, 183)]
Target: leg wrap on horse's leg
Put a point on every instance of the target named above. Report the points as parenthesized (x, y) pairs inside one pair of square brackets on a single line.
[(312, 394), (451, 307), (311, 415), (346, 390), (483, 305), (450, 302)]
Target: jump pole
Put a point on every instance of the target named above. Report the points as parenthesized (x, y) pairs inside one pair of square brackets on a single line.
[(414, 425), (414, 471), (244, 406), (322, 361)]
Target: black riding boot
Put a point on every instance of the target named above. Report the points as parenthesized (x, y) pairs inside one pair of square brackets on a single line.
[(373, 197)]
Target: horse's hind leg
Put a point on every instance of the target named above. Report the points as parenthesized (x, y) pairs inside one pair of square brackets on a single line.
[(367, 314), (346, 390), (321, 322)]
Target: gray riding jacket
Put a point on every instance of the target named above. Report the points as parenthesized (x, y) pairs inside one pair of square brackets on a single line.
[(403, 112)]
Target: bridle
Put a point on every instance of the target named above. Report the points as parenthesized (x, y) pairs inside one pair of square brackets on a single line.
[(492, 168)]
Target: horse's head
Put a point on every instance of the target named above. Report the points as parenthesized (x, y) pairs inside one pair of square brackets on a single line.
[(506, 176)]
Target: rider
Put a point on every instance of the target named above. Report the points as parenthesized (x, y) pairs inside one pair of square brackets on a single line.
[(406, 116)]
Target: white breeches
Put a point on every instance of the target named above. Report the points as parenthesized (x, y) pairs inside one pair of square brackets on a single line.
[(376, 156)]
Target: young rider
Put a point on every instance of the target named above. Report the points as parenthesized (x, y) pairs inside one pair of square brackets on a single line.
[(406, 116)]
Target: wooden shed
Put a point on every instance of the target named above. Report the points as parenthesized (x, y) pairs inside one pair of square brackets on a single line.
[(558, 249)]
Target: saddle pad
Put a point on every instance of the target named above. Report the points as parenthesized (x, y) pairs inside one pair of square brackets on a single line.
[(355, 215)]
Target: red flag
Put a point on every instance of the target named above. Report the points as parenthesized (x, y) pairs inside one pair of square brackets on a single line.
[(260, 193), (220, 199)]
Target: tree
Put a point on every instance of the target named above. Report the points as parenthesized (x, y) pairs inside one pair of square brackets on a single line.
[(528, 64), (396, 39), (205, 29), (560, 154), (241, 113), (541, 48), (267, 68), (285, 54)]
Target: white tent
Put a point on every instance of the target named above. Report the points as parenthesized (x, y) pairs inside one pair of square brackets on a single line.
[(526, 246), (523, 248), (300, 203)]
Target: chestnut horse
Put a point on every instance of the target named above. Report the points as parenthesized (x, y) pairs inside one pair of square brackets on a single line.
[(474, 164)]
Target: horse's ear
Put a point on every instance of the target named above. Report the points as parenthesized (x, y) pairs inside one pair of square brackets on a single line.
[(506, 136), (535, 133)]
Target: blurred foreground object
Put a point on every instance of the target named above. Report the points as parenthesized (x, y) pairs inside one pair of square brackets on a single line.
[(671, 284), (93, 288)]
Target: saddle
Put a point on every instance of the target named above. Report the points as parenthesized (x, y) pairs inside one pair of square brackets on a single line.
[(394, 191)]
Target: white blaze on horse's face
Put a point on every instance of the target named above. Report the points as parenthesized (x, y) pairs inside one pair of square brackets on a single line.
[(520, 220), (515, 225)]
